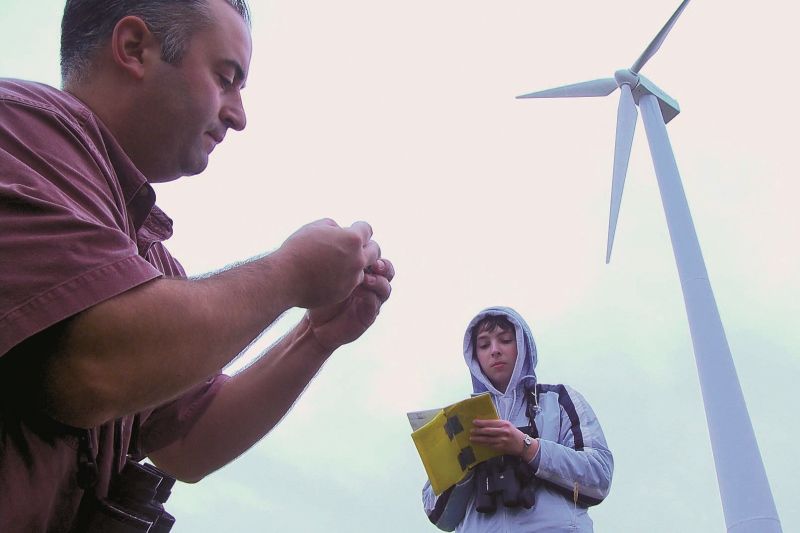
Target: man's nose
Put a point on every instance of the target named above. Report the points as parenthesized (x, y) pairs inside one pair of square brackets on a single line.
[(232, 113)]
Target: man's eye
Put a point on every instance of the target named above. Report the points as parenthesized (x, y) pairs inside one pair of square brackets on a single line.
[(225, 82)]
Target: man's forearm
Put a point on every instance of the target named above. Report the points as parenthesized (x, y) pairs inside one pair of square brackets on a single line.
[(153, 342), (247, 407)]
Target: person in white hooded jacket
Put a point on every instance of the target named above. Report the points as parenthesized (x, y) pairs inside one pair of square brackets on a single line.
[(555, 461)]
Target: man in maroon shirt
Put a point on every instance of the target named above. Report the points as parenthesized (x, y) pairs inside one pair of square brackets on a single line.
[(106, 349)]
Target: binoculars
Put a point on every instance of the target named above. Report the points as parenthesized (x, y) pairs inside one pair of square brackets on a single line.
[(135, 503), (505, 480)]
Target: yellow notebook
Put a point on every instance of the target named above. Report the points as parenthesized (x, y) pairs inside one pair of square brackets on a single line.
[(442, 440)]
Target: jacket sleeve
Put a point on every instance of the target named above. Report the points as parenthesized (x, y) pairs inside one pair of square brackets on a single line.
[(580, 463), (447, 510)]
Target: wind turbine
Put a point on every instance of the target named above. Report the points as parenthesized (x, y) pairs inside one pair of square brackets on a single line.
[(744, 489)]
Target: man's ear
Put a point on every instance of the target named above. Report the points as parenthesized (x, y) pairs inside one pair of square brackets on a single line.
[(133, 45)]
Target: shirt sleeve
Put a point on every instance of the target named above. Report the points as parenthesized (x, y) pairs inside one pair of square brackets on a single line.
[(66, 241)]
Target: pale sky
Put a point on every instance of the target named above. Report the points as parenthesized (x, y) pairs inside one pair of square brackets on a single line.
[(403, 114)]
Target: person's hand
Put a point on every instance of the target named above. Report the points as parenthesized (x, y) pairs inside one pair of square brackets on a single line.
[(343, 322), (501, 436), (324, 263)]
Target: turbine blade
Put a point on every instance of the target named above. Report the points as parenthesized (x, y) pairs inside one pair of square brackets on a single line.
[(655, 44), (626, 125), (601, 87)]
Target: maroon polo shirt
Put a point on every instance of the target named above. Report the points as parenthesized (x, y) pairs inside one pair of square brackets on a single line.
[(78, 225)]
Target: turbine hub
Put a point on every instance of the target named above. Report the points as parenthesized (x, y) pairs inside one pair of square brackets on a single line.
[(626, 76)]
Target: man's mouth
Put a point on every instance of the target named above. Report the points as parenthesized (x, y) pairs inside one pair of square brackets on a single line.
[(218, 137)]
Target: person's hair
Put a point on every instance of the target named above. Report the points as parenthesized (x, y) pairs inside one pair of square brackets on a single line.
[(488, 324), (87, 24)]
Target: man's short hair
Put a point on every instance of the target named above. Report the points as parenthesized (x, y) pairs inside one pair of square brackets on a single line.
[(88, 24)]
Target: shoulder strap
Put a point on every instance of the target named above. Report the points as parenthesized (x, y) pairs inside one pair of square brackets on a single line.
[(566, 403)]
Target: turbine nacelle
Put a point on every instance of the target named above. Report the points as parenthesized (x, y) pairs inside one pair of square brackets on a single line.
[(640, 85), (669, 106)]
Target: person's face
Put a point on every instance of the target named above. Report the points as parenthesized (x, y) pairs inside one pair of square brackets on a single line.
[(496, 351), (194, 102)]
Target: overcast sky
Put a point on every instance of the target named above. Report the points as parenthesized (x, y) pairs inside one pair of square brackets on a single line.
[(403, 114)]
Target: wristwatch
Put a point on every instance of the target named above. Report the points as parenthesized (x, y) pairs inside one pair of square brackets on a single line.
[(526, 442)]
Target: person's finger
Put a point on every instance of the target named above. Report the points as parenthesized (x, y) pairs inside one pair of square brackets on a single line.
[(367, 306), (485, 432), (378, 285), (325, 222), (363, 229), (372, 252), (383, 267), (485, 423)]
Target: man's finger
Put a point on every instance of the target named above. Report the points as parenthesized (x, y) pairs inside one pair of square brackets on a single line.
[(378, 285), (372, 252), (383, 267), (325, 222), (363, 229)]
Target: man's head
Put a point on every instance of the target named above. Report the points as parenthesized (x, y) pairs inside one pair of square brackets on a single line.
[(163, 75)]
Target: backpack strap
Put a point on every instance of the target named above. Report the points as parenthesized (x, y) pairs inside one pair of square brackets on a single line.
[(565, 401)]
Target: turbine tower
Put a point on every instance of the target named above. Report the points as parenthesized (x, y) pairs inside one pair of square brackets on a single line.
[(747, 501)]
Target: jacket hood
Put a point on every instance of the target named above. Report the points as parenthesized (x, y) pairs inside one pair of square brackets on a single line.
[(524, 375)]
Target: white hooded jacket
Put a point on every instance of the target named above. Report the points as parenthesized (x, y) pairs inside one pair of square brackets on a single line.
[(573, 466)]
